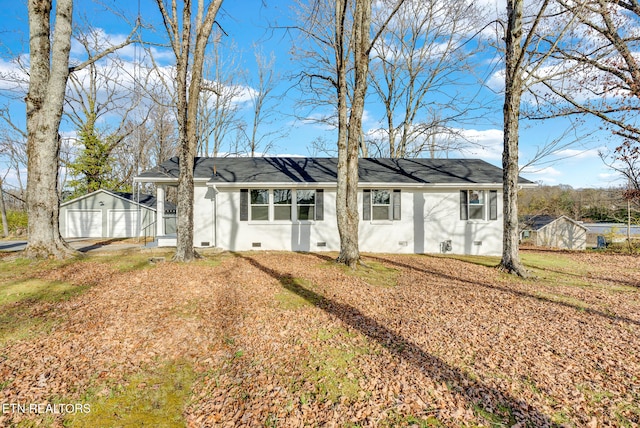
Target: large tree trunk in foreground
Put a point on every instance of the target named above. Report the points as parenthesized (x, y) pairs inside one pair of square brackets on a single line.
[(48, 74), (513, 92), (348, 169), (182, 33)]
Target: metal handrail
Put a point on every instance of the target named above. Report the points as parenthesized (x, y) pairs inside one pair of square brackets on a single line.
[(144, 229)]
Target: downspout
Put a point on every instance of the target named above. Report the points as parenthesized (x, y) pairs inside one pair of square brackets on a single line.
[(215, 216)]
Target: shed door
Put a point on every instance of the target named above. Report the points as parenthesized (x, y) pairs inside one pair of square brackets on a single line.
[(84, 223), (123, 223)]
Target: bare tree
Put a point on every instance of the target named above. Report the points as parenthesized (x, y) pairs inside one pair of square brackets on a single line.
[(524, 57), (264, 110), (218, 109), (189, 66), (417, 70), (338, 69)]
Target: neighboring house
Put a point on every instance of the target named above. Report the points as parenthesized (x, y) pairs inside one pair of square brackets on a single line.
[(405, 205), (107, 214), (557, 232), (610, 232)]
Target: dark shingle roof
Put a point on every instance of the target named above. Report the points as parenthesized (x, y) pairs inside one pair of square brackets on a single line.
[(324, 170), (536, 222), (146, 200)]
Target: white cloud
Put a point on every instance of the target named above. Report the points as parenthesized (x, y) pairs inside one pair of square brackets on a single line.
[(578, 154)]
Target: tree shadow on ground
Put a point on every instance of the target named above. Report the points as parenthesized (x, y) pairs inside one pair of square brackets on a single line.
[(474, 392), (518, 293)]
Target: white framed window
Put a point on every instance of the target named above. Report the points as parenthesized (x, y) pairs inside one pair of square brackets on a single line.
[(282, 204), (478, 205), (381, 204), (259, 204), (306, 204)]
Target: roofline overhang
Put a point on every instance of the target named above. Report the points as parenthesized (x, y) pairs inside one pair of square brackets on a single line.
[(79, 198), (361, 185), (330, 184)]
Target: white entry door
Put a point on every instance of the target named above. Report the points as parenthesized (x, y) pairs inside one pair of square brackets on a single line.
[(123, 223), (84, 224)]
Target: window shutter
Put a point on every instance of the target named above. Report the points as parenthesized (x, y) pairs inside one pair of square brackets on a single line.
[(396, 204), (366, 204), (464, 215), (319, 204), (493, 204), (244, 204)]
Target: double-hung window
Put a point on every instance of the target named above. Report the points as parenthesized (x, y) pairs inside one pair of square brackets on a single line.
[(306, 204), (259, 204), (282, 204), (381, 204), (478, 205)]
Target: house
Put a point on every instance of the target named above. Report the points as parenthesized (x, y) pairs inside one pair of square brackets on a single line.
[(108, 214), (279, 203), (557, 232)]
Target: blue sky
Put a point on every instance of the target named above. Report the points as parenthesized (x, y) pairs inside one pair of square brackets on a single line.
[(247, 24)]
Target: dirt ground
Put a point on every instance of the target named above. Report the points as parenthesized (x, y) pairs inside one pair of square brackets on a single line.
[(283, 339)]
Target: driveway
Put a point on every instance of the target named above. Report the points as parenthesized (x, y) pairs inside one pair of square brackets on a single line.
[(83, 245)]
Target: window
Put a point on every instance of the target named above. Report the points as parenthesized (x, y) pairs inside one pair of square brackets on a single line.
[(259, 204), (473, 205), (306, 204), (381, 204), (256, 204), (282, 204)]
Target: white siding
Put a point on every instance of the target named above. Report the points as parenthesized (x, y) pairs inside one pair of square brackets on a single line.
[(429, 218)]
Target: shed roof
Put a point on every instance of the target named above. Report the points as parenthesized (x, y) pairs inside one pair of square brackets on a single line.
[(144, 199), (324, 170)]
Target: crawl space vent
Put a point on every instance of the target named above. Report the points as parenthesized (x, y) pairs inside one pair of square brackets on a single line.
[(256, 244), (321, 244)]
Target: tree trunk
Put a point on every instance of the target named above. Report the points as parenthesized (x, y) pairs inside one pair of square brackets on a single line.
[(3, 213), (188, 97), (513, 92), (348, 227), (48, 74)]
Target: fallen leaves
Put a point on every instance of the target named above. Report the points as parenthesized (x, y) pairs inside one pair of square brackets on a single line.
[(292, 340)]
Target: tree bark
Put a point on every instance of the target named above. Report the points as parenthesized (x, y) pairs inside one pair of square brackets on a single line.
[(48, 74), (511, 110), (348, 177), (189, 80)]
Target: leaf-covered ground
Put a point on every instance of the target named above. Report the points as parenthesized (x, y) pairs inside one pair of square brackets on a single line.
[(282, 339)]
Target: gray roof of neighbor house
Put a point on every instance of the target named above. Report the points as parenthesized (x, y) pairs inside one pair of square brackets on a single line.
[(324, 170), (537, 222)]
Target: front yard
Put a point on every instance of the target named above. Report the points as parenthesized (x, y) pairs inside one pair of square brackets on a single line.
[(281, 339)]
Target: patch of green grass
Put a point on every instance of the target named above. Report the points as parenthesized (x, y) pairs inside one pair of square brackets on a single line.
[(129, 261), (334, 373), (571, 301), (502, 416), (37, 290), (19, 318), (296, 293), (488, 261), (373, 273), (152, 398), (394, 420)]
